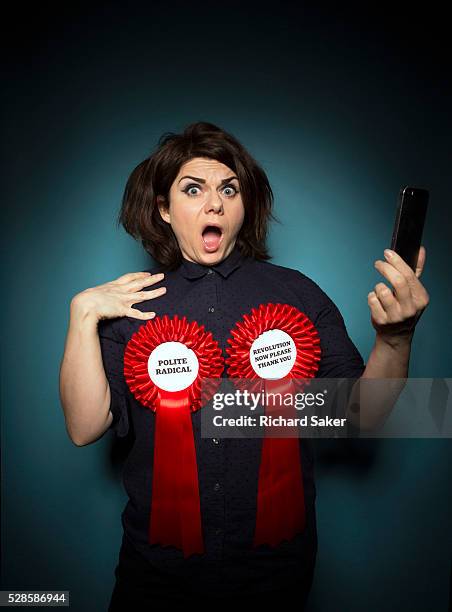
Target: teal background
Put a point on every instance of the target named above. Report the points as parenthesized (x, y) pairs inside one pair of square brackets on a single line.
[(341, 111)]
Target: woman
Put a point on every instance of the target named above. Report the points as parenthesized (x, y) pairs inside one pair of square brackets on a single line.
[(200, 204)]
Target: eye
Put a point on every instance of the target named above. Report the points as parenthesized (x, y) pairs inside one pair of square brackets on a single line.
[(188, 189), (231, 186)]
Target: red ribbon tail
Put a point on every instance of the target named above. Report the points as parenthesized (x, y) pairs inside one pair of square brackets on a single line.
[(280, 503), (175, 509)]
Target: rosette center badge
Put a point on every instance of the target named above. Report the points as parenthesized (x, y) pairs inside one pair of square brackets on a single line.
[(273, 354), (172, 366)]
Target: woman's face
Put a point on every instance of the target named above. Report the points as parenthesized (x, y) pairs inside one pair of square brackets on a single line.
[(205, 210)]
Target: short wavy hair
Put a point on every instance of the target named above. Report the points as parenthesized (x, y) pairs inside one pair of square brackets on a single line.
[(140, 215)]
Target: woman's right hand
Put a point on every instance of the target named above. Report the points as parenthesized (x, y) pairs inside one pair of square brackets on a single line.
[(116, 298)]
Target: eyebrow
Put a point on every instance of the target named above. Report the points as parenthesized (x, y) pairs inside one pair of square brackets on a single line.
[(200, 180)]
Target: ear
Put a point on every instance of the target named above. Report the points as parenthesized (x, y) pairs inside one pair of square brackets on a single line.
[(163, 209)]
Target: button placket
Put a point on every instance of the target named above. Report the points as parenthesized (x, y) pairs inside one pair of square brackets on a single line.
[(216, 476), (214, 302)]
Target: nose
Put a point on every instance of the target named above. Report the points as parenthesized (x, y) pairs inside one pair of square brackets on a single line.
[(213, 203)]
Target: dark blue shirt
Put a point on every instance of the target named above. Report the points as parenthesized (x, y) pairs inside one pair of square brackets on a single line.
[(217, 297)]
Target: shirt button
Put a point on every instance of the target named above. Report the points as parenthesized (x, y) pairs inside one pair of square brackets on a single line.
[(211, 309), (217, 486), (209, 271), (218, 531), (215, 440)]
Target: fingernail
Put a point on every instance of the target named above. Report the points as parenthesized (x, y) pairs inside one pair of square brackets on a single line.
[(389, 253)]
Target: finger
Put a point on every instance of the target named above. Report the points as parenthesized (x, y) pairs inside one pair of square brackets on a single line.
[(137, 314), (130, 276), (141, 296), (398, 280), (420, 261), (400, 264), (387, 300), (394, 259), (418, 292), (139, 283), (378, 312)]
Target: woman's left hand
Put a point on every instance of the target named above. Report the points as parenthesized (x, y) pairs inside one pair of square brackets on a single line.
[(394, 314)]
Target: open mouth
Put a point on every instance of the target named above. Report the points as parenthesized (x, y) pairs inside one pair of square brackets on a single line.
[(212, 237)]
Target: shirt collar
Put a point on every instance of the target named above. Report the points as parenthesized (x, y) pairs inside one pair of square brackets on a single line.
[(191, 269)]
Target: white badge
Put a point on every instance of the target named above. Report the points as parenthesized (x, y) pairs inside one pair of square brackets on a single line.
[(172, 366), (273, 354)]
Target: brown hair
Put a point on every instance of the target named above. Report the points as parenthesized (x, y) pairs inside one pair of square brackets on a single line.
[(154, 176)]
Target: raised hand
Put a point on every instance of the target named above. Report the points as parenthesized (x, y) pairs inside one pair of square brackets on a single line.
[(395, 313), (116, 298)]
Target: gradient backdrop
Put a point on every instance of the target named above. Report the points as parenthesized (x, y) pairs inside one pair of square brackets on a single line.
[(341, 110)]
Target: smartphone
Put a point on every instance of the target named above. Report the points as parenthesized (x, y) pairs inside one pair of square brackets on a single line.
[(409, 224)]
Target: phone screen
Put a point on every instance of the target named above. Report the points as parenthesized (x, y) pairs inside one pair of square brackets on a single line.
[(409, 224)]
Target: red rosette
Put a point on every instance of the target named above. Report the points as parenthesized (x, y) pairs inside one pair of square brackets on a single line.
[(274, 316), (175, 517), (280, 504)]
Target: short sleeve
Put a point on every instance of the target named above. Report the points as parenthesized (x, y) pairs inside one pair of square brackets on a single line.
[(339, 357), (112, 348)]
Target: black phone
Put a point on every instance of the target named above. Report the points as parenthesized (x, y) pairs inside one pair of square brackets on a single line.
[(409, 224)]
